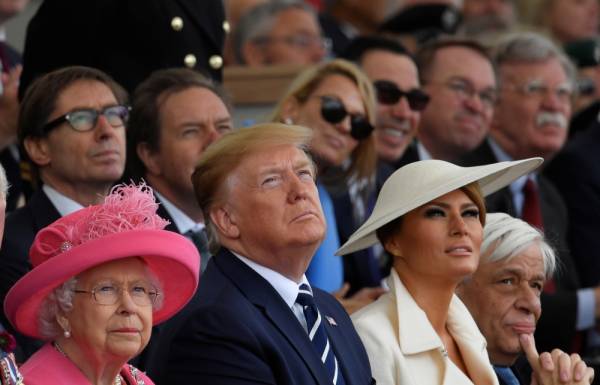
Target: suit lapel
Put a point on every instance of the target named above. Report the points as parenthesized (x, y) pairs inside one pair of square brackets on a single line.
[(267, 300), (164, 214), (43, 211)]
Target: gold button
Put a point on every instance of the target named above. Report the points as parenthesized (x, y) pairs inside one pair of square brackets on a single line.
[(190, 60), (177, 23), (226, 26), (215, 62)]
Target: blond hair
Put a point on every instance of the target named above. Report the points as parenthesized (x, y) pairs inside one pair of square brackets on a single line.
[(221, 158), (364, 156)]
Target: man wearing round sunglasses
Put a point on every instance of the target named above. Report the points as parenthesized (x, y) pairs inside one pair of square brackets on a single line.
[(72, 128), (400, 99)]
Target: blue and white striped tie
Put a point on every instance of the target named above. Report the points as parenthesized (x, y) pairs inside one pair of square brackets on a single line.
[(318, 334)]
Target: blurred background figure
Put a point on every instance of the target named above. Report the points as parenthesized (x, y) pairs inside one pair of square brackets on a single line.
[(569, 20), (416, 24), (279, 32), (10, 73), (484, 19)]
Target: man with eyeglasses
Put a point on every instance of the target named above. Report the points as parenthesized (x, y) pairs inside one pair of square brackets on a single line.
[(530, 119), (459, 78), (400, 99), (276, 33), (72, 128)]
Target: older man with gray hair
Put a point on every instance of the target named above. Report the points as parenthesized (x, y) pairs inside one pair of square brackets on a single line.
[(530, 119), (503, 296), (279, 32)]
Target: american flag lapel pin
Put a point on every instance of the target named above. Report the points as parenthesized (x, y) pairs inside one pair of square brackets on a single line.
[(331, 321)]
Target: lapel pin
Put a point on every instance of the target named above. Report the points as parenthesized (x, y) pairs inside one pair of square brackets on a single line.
[(331, 321)]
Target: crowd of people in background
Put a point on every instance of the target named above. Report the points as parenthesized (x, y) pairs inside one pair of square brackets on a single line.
[(419, 207)]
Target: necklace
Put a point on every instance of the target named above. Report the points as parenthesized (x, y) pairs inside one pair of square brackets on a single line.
[(118, 380)]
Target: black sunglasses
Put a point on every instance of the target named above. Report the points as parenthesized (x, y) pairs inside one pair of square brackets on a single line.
[(333, 111), (85, 119), (388, 93)]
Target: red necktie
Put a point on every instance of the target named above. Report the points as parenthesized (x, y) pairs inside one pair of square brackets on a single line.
[(532, 214)]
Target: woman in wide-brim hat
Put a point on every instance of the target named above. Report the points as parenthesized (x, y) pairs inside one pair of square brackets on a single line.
[(429, 217), (101, 278)]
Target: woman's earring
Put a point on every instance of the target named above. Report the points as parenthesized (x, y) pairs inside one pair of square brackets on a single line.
[(67, 334), (288, 120)]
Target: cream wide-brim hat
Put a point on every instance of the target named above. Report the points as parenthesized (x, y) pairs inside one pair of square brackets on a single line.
[(420, 182)]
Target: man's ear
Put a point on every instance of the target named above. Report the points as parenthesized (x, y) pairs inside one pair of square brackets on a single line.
[(148, 157), (37, 150), (224, 220), (253, 54)]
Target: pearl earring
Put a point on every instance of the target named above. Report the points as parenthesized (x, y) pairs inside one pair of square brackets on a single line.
[(67, 334), (288, 120)]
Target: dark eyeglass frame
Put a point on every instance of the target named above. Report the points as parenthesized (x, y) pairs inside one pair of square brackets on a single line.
[(70, 116), (152, 295), (334, 111), (389, 94)]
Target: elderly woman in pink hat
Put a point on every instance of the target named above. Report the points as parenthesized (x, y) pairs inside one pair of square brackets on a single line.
[(101, 278)]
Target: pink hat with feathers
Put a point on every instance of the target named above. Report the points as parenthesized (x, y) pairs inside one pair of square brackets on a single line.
[(125, 225)]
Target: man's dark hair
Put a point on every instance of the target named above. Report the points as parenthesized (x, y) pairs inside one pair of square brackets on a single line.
[(145, 118), (39, 101), (425, 57), (358, 47)]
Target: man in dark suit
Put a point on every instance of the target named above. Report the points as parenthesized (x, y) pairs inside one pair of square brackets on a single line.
[(176, 114), (127, 39), (72, 127), (530, 119), (255, 318)]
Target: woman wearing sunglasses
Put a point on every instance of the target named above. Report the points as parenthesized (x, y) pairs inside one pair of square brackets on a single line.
[(336, 100)]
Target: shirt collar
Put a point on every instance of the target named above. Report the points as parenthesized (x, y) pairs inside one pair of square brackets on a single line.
[(422, 151), (285, 287), (183, 222), (516, 187), (63, 204)]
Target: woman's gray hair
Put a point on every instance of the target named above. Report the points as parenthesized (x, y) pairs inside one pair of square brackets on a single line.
[(530, 47), (505, 237), (60, 300)]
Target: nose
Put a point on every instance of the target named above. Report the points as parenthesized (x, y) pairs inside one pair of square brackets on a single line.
[(298, 189), (529, 301), (474, 103), (552, 101), (458, 227), (345, 125), (402, 108), (126, 305), (103, 129)]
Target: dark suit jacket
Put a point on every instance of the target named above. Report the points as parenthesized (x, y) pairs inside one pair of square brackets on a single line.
[(19, 232), (128, 39), (240, 331), (575, 172), (556, 328)]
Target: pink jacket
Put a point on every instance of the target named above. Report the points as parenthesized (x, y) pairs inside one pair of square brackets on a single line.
[(48, 366)]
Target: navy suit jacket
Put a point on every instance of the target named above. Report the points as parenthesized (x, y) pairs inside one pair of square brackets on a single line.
[(21, 227), (238, 330), (556, 328)]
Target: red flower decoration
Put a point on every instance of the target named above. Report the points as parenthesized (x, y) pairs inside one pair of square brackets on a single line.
[(7, 342)]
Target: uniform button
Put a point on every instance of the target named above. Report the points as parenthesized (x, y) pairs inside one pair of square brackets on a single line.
[(226, 26), (177, 23), (190, 60), (215, 62)]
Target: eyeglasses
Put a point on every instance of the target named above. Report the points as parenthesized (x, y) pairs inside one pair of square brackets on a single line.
[(302, 41), (334, 111), (538, 89), (108, 293), (85, 119), (466, 90), (388, 93)]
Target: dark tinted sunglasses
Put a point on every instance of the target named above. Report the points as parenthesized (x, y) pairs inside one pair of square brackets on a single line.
[(333, 111), (388, 93), (85, 119)]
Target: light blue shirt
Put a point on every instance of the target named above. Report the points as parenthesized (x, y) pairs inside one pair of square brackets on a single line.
[(63, 204)]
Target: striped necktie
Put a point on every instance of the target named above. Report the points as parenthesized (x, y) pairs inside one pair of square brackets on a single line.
[(317, 333)]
